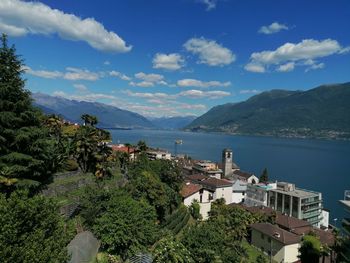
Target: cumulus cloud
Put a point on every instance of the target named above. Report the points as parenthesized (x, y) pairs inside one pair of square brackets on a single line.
[(210, 52), (70, 74), (286, 67), (80, 87), (202, 84), (171, 61), (148, 80), (308, 49), (275, 27), (120, 75), (254, 67), (19, 18)]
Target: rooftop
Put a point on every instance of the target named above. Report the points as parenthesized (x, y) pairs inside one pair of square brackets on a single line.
[(345, 202), (189, 189), (197, 177), (243, 174), (214, 182), (277, 233), (298, 192)]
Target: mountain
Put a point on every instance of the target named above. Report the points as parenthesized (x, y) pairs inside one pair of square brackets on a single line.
[(108, 116), (172, 123), (322, 112)]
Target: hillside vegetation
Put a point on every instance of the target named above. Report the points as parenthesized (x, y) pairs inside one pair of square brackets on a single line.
[(322, 112)]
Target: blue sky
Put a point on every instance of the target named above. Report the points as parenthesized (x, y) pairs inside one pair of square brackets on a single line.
[(168, 58)]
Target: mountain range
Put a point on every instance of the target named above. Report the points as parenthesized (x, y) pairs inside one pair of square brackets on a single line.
[(322, 112), (108, 116)]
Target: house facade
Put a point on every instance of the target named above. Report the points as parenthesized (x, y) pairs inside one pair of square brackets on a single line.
[(297, 202), (279, 244), (257, 194)]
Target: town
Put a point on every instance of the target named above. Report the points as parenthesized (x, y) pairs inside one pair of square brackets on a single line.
[(297, 211)]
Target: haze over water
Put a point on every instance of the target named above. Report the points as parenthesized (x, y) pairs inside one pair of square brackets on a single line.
[(318, 165)]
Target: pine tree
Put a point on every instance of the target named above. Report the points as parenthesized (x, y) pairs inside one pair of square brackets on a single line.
[(23, 139), (264, 177)]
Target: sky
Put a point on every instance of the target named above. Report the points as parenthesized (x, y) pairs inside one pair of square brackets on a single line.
[(177, 57)]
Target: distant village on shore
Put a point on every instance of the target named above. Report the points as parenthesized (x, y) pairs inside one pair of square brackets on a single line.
[(296, 211)]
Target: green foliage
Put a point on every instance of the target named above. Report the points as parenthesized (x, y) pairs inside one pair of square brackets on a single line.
[(89, 119), (313, 113), (126, 226), (158, 182), (177, 220), (71, 165), (264, 177), (31, 230), (261, 259), (195, 210), (310, 250), (171, 251), (25, 146)]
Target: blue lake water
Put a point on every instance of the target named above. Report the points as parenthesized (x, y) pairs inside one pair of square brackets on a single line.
[(318, 165)]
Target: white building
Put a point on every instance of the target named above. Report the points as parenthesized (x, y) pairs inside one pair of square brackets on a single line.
[(245, 176), (191, 192), (207, 168), (257, 194), (281, 245), (158, 155), (239, 189)]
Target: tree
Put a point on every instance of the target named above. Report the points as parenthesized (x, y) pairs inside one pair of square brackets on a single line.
[(195, 210), (24, 141), (264, 177), (310, 250), (142, 146), (89, 120), (171, 251), (31, 230), (127, 226)]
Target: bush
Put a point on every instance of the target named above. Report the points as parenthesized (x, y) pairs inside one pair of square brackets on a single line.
[(71, 165)]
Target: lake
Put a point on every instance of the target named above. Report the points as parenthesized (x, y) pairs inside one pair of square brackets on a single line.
[(318, 165)]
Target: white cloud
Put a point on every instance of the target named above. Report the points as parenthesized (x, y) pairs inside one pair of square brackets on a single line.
[(198, 94), (43, 73), (210, 52), (313, 65), (70, 74), (307, 49), (273, 28), (91, 97), (120, 75), (148, 80), (20, 18), (80, 87), (12, 30), (202, 84), (253, 67), (211, 4), (286, 67), (149, 77), (106, 63), (171, 61), (249, 91)]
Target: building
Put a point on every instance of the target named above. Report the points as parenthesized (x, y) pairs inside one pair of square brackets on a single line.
[(245, 176), (158, 155), (131, 151), (207, 168), (220, 188), (281, 245), (345, 254), (257, 194), (239, 189), (297, 202), (228, 166), (191, 192)]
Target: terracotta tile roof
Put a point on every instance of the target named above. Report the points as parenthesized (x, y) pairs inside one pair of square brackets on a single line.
[(214, 182), (189, 189), (326, 237), (197, 177), (279, 234), (124, 149)]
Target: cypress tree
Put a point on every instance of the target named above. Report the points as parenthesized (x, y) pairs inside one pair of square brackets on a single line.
[(23, 138)]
